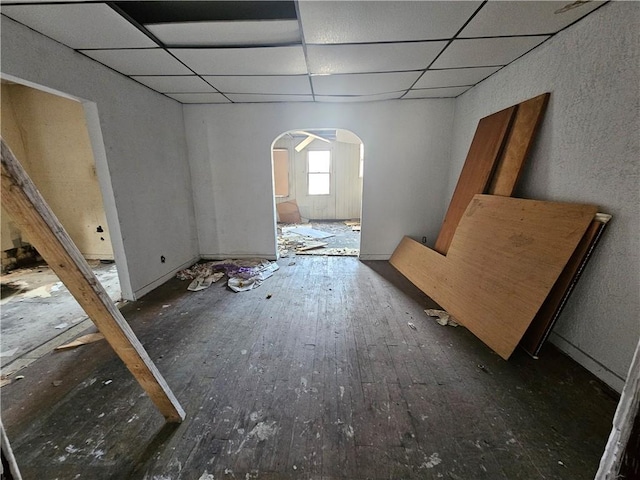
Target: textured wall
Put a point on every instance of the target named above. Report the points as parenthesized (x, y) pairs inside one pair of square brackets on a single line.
[(587, 151), (141, 158), (406, 147)]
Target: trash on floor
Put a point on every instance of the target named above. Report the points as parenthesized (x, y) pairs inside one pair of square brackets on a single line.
[(442, 317), (243, 274), (200, 283), (288, 212), (307, 232), (83, 340)]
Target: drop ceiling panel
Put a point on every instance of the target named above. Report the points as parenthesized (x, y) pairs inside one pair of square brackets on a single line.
[(383, 57), (244, 61), (93, 25), (363, 84), (265, 32), (199, 97), (139, 62), (176, 84), (524, 18), (436, 92), (382, 21), (358, 98), (486, 51), (454, 77), (251, 98), (277, 84)]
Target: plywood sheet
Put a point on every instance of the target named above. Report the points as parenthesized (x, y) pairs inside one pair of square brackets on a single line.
[(546, 317), (288, 212), (517, 145), (504, 258), (479, 165)]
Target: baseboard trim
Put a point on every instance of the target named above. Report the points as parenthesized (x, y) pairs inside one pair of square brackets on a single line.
[(374, 256), (137, 294), (603, 373), (242, 256)]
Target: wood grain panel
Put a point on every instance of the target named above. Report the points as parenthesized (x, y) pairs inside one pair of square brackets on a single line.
[(517, 145), (29, 210), (505, 257), (478, 168), (546, 317)]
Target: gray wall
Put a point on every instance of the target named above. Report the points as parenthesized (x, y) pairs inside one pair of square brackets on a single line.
[(587, 151), (140, 152), (406, 166)]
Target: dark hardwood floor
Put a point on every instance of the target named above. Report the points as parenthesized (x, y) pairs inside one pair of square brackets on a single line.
[(325, 379)]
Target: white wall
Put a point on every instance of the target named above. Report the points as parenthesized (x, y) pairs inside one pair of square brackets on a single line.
[(587, 151), (142, 165), (406, 166)]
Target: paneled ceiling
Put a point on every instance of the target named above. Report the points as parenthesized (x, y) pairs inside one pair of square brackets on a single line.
[(302, 51)]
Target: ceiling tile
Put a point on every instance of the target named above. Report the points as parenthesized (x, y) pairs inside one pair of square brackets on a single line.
[(199, 97), (486, 51), (251, 98), (377, 21), (263, 32), (244, 61), (139, 62), (279, 84), (363, 84), (358, 98), (524, 18), (454, 77), (385, 57), (93, 25), (436, 92), (176, 84)]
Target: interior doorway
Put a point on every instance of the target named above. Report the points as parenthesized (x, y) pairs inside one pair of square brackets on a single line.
[(317, 176), (48, 134)]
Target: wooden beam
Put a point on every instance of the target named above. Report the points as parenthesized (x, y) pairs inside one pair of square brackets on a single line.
[(23, 202), (475, 177), (505, 257), (623, 421), (517, 145)]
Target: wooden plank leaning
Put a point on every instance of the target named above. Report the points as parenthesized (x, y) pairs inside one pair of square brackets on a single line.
[(22, 200)]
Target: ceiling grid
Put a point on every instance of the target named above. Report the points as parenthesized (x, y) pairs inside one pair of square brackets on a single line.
[(300, 51)]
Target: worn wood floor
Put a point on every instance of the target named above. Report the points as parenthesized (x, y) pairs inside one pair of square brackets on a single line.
[(326, 379)]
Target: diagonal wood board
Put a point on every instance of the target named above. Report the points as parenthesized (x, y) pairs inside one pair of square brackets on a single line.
[(517, 145), (22, 200), (484, 151), (504, 258)]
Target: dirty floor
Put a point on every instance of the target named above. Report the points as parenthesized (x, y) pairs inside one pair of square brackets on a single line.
[(37, 307), (344, 239), (315, 374)]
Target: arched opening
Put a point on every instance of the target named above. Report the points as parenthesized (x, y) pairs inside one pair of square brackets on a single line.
[(317, 184)]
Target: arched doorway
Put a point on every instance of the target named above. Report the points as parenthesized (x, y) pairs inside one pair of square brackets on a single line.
[(317, 177)]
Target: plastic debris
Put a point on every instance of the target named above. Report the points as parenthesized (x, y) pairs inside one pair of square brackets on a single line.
[(411, 325), (442, 317)]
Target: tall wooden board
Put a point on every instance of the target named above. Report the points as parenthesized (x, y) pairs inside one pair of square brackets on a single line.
[(504, 258), (27, 208), (478, 168), (517, 145), (547, 316)]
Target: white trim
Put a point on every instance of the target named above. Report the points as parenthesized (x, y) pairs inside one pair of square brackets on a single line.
[(374, 256), (603, 373), (224, 256)]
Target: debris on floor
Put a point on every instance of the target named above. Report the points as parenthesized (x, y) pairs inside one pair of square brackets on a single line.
[(288, 212), (243, 274), (354, 224), (4, 380), (442, 317), (332, 252), (200, 283), (307, 231), (83, 340)]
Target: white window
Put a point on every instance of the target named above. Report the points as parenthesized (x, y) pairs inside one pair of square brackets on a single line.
[(319, 172)]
